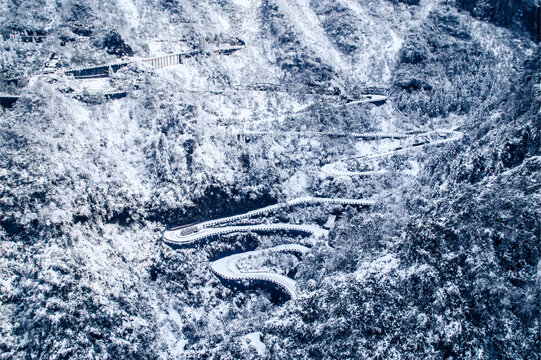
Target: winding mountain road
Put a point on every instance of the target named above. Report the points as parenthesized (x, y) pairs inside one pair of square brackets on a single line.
[(334, 169), (190, 234), (177, 238), (228, 267)]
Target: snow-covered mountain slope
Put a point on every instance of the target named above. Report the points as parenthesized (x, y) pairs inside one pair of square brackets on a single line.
[(445, 265)]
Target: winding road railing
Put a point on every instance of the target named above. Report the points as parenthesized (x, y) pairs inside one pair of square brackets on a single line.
[(364, 136), (332, 169), (227, 268), (192, 233), (178, 237)]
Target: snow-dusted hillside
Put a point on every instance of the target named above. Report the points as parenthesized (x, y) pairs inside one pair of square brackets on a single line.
[(445, 264)]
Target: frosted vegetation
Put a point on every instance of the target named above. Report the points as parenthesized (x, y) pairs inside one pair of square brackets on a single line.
[(445, 266), (280, 263)]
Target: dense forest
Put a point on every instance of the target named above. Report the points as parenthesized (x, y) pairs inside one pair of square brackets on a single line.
[(445, 264)]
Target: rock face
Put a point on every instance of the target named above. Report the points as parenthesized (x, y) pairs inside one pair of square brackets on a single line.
[(114, 45), (430, 109)]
